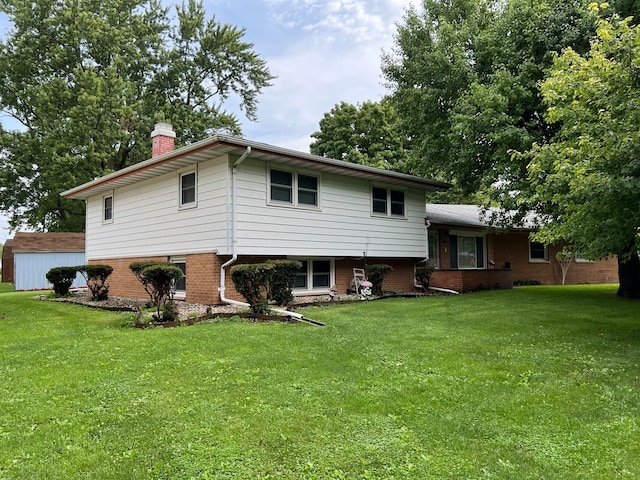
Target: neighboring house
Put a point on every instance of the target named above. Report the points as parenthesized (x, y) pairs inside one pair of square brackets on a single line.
[(7, 261), (470, 255), (227, 200), (34, 254)]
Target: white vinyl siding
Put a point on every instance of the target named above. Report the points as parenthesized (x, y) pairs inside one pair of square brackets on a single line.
[(149, 222), (342, 225), (107, 208)]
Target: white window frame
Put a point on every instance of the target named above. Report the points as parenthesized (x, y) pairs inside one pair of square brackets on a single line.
[(309, 276), (475, 237), (180, 294), (295, 189), (389, 203), (538, 260), (194, 203), (434, 248), (106, 220)]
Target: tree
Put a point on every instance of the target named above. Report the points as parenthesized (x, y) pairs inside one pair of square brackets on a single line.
[(86, 81), (465, 78), (585, 183), (366, 134)]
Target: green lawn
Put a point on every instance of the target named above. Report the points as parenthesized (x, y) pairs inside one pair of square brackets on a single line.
[(532, 383)]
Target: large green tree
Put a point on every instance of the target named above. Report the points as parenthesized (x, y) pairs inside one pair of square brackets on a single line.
[(84, 82), (464, 78), (585, 183), (367, 134)]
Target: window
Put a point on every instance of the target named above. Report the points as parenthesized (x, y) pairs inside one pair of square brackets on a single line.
[(538, 252), (467, 251), (107, 209), (434, 249), (315, 274), (387, 202), (293, 188), (180, 287), (188, 189)]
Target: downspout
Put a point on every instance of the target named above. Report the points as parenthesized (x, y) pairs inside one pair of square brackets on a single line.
[(234, 241), (234, 232)]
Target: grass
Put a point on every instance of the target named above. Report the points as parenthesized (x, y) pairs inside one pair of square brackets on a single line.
[(537, 382)]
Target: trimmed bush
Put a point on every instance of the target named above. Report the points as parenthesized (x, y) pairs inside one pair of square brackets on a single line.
[(159, 279), (423, 275), (376, 274), (250, 281), (62, 278), (281, 280), (137, 268), (96, 277)]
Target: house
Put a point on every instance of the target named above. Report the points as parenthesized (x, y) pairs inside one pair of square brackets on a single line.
[(470, 255), (227, 200), (32, 255)]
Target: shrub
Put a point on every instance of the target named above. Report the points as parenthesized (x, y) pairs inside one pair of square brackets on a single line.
[(281, 280), (423, 275), (159, 279), (137, 268), (250, 281), (62, 278), (375, 274), (96, 277)]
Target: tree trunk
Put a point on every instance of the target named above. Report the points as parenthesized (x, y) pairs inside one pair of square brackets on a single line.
[(629, 272)]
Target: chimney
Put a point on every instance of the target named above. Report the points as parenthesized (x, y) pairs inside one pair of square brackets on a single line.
[(162, 139)]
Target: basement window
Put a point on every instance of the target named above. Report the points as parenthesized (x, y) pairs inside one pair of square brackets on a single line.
[(315, 274)]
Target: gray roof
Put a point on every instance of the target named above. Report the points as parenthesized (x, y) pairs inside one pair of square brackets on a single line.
[(469, 216), (224, 144), (457, 215)]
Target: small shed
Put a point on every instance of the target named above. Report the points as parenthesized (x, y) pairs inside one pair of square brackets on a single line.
[(34, 254), (7, 261)]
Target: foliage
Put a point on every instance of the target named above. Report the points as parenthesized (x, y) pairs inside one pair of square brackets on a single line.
[(87, 81), (250, 282), (62, 278), (466, 86), (282, 279), (423, 275), (161, 278), (137, 268), (526, 283), (365, 134), (528, 383), (375, 274), (585, 183), (96, 277)]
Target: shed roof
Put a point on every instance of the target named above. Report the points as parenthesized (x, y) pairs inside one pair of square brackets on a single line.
[(225, 144), (48, 242)]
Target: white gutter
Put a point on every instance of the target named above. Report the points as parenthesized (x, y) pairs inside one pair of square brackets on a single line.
[(234, 241)]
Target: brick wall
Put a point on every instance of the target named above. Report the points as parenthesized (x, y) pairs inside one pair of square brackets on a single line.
[(513, 248), (471, 280), (400, 279)]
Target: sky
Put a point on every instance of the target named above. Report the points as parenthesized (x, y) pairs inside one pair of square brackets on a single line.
[(321, 51)]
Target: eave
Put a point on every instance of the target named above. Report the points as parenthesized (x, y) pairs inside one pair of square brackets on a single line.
[(222, 145)]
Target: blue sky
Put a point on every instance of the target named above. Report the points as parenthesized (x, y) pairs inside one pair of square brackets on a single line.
[(321, 51)]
